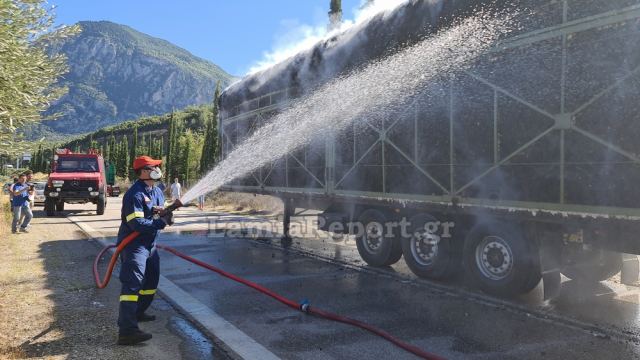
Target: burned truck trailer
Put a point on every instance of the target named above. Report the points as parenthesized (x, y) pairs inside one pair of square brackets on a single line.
[(532, 152)]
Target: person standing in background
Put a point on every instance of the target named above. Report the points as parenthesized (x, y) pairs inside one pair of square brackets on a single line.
[(15, 181), (20, 204), (176, 190), (201, 202), (32, 194)]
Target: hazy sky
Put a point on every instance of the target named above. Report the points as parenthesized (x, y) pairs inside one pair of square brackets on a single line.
[(235, 34)]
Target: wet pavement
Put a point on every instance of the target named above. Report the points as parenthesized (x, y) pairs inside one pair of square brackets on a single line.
[(451, 320)]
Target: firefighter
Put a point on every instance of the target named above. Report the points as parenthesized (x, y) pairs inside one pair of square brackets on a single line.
[(142, 211)]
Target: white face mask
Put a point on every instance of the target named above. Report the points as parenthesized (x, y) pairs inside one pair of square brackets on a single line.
[(156, 174)]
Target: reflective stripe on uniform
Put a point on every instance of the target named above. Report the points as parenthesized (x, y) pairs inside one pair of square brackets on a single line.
[(128, 297), (147, 292), (135, 214)]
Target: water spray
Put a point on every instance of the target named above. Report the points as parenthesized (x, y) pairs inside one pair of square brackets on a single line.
[(333, 107)]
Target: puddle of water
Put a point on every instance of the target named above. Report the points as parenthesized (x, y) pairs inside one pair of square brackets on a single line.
[(195, 345)]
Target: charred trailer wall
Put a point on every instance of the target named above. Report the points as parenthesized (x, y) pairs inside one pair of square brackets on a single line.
[(547, 121)]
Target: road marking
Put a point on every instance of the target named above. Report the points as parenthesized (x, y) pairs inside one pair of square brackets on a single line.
[(232, 338)]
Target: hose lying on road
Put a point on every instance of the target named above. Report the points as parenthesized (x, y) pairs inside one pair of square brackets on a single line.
[(304, 307)]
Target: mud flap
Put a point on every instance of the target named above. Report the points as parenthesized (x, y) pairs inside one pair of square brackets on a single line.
[(550, 264), (630, 272)]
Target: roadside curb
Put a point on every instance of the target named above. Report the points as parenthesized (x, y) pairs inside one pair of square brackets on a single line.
[(233, 341)]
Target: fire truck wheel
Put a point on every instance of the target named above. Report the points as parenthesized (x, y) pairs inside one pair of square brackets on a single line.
[(101, 205), (50, 207)]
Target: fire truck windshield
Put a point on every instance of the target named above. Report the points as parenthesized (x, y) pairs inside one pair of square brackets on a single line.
[(77, 164)]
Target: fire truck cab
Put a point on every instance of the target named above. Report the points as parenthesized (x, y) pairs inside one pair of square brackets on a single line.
[(76, 178)]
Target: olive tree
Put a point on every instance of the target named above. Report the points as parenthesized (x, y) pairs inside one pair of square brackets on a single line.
[(28, 73)]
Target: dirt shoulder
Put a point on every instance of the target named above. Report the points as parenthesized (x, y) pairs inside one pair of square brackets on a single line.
[(50, 308)]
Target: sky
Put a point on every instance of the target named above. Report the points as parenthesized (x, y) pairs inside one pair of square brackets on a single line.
[(238, 35)]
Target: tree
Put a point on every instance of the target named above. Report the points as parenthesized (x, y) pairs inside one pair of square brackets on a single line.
[(186, 158), (111, 149), (150, 147), (173, 153), (210, 145), (28, 74), (188, 154), (170, 140), (134, 150), (36, 161), (123, 158), (335, 14)]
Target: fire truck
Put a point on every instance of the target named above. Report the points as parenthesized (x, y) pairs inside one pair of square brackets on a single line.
[(76, 178)]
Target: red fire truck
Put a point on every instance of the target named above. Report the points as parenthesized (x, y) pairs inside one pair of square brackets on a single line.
[(76, 178)]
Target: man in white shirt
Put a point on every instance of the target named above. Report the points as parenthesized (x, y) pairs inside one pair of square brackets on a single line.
[(176, 190)]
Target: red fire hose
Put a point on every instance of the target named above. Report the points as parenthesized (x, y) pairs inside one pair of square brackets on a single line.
[(304, 307), (112, 262)]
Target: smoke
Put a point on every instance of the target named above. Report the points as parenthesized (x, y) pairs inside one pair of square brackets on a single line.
[(298, 37), (374, 90)]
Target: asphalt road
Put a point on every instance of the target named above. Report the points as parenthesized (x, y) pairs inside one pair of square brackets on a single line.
[(599, 321)]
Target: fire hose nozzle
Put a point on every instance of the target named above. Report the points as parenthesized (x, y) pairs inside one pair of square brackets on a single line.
[(176, 204)]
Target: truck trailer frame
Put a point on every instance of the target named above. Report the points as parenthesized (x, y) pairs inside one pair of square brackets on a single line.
[(541, 152)]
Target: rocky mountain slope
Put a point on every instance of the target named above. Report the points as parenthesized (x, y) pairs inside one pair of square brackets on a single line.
[(118, 73)]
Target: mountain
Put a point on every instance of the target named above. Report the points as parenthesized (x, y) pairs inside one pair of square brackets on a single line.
[(117, 73)]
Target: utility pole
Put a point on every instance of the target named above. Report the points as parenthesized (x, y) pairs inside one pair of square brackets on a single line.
[(335, 14)]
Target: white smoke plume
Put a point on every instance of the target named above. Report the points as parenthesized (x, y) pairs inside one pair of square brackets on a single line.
[(300, 37)]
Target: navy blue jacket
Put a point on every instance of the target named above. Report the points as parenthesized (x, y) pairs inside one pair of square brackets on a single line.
[(137, 213)]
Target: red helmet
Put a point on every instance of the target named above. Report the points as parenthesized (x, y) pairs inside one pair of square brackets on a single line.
[(144, 160)]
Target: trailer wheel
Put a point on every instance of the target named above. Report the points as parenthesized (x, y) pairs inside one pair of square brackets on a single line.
[(375, 246), (426, 253), (50, 206), (593, 265), (101, 205), (60, 206), (500, 260)]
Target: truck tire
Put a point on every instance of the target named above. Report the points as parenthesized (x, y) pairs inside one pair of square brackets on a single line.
[(375, 246), (594, 266), (427, 254), (499, 259), (60, 206), (50, 206), (101, 203)]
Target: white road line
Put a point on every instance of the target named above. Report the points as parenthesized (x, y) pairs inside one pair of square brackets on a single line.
[(232, 338)]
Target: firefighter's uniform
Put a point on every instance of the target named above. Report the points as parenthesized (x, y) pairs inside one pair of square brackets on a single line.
[(140, 270)]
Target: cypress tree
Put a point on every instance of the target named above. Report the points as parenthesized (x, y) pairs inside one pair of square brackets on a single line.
[(44, 162), (40, 161), (125, 156), (210, 145), (187, 158), (150, 149), (160, 147), (170, 140), (134, 143), (111, 149), (115, 155), (174, 151), (335, 14), (33, 164), (206, 148)]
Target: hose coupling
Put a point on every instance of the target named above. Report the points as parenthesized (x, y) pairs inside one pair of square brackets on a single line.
[(304, 306)]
